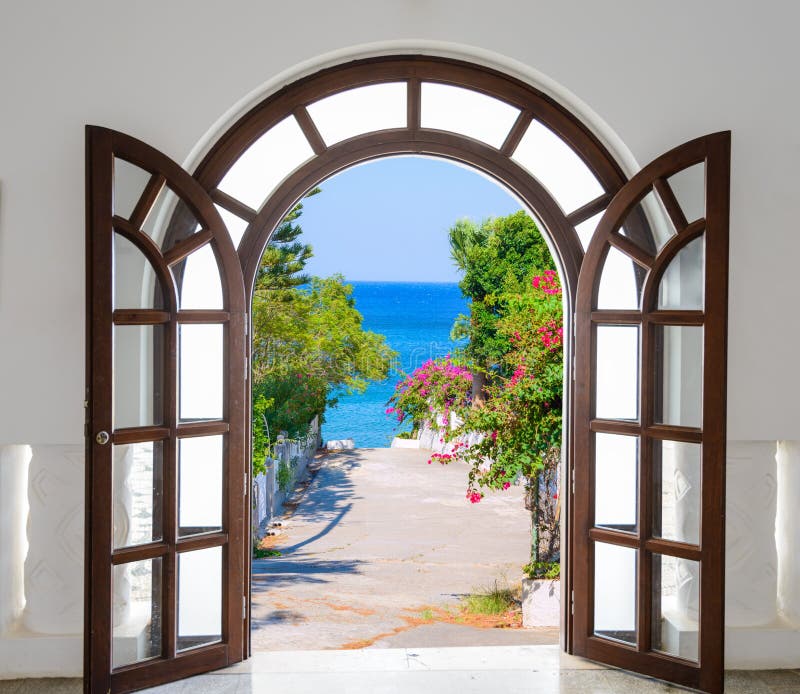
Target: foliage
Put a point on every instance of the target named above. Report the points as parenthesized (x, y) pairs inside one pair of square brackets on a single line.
[(437, 387), (497, 258), (285, 474), (309, 345), (284, 260), (542, 569), (521, 418), (515, 332), (261, 553), (494, 600)]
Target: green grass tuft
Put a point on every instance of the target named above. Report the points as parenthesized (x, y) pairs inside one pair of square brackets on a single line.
[(259, 553), (495, 600)]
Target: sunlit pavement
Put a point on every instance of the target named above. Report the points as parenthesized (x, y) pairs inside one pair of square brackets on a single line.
[(379, 536)]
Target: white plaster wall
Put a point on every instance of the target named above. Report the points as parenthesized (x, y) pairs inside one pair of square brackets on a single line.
[(651, 75), (656, 73)]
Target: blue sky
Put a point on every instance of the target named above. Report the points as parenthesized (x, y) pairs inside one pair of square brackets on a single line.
[(387, 220)]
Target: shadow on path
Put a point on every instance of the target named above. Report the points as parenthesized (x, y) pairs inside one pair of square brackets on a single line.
[(271, 573)]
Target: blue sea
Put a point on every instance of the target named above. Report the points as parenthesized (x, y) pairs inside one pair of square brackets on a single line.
[(416, 318)]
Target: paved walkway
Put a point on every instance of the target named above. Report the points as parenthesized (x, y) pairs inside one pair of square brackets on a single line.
[(380, 536)]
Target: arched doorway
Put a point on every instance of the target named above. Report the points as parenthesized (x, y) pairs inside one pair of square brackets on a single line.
[(598, 225)]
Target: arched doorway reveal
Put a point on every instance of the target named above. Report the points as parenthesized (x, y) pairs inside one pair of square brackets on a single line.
[(663, 345)]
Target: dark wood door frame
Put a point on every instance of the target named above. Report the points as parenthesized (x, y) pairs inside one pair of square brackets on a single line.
[(713, 151), (104, 148)]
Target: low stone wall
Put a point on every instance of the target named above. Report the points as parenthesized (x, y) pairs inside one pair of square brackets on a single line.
[(268, 497), (432, 434)]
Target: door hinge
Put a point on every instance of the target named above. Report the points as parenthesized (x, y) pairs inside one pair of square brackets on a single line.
[(244, 607), (573, 481), (572, 603), (244, 491)]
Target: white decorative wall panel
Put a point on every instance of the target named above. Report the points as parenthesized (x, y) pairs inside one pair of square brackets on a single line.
[(751, 566), (54, 565)]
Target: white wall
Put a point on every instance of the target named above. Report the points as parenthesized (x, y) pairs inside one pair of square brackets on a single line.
[(653, 75), (165, 72)]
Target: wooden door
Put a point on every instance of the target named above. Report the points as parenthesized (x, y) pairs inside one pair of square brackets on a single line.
[(650, 385), (166, 473)]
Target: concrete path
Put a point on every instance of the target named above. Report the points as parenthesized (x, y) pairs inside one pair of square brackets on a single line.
[(378, 537)]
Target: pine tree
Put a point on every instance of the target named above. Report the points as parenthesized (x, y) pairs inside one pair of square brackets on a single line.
[(284, 260)]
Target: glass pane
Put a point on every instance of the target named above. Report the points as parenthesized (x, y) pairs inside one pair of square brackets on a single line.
[(586, 230), (679, 362), (617, 372), (676, 595), (136, 620), (201, 287), (689, 187), (616, 491), (129, 184), (137, 379), (615, 592), (620, 283), (361, 110), (169, 212), (648, 224), (138, 493), (135, 281), (199, 485), (236, 225), (464, 111), (554, 163), (677, 471), (683, 282), (201, 367), (199, 598), (271, 158)]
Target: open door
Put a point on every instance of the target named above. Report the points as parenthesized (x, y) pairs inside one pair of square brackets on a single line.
[(650, 387), (166, 473)]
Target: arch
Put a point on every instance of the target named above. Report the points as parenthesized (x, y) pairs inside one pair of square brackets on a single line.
[(413, 70), (498, 163)]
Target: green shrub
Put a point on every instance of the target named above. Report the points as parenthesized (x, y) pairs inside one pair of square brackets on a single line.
[(285, 474)]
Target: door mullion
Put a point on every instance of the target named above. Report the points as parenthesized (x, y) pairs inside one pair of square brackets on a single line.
[(169, 601), (647, 386)]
